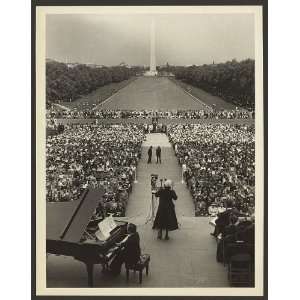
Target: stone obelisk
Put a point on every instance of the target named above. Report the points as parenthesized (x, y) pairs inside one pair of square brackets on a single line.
[(153, 71)]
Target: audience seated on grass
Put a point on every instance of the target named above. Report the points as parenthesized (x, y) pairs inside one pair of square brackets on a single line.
[(87, 113), (219, 164), (89, 155)]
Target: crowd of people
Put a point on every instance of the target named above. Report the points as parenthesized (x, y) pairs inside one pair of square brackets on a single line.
[(218, 163), (232, 226), (218, 166), (92, 156), (235, 233), (55, 112)]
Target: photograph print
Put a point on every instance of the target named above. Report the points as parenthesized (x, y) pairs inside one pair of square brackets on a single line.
[(149, 151)]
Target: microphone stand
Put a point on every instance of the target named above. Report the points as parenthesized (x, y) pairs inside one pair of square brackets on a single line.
[(151, 216)]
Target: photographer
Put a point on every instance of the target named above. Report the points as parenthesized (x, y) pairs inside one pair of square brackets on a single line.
[(166, 216)]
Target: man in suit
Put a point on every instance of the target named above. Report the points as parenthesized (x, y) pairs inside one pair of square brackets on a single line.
[(158, 155), (223, 220), (149, 155)]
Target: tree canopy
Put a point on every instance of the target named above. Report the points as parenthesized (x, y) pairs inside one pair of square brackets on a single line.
[(233, 81), (64, 83)]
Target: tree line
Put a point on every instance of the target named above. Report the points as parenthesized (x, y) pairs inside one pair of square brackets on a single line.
[(232, 81), (64, 83)]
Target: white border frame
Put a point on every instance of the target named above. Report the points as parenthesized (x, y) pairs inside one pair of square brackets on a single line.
[(41, 288)]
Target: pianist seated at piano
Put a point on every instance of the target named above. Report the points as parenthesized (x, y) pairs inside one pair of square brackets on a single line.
[(129, 252)]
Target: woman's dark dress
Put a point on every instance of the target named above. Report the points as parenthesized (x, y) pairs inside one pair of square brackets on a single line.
[(165, 216)]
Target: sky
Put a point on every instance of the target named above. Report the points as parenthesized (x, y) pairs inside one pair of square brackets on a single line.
[(180, 39)]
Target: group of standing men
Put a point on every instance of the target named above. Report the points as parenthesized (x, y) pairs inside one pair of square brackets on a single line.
[(158, 155)]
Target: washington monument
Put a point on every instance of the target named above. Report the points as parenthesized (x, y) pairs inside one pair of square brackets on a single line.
[(152, 71)]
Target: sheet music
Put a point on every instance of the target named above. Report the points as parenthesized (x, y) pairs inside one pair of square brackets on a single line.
[(100, 236), (105, 227)]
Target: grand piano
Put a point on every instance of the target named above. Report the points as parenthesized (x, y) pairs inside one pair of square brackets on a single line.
[(70, 231)]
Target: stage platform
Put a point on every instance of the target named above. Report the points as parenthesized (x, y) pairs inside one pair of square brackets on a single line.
[(188, 259)]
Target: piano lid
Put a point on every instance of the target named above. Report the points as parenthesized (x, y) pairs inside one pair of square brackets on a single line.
[(68, 220)]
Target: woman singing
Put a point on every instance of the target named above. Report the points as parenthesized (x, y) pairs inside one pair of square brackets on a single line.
[(165, 216)]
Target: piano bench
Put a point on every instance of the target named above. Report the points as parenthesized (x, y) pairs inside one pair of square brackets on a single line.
[(139, 266)]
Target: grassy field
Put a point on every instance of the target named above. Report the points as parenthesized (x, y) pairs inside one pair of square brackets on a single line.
[(152, 93), (99, 95), (204, 96)]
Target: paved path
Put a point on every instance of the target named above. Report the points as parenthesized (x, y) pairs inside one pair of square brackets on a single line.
[(188, 259), (169, 168)]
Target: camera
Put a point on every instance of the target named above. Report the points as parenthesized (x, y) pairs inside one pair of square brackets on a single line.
[(154, 183), (154, 178)]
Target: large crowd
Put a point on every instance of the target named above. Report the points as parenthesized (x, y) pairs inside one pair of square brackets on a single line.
[(59, 113), (92, 156), (218, 165)]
